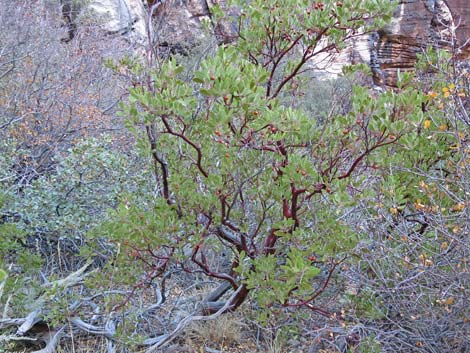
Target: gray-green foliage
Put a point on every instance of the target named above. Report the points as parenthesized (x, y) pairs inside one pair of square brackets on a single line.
[(86, 181), (7, 151), (18, 265)]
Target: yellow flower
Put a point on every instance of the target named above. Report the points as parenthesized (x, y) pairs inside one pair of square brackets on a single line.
[(419, 205), (459, 207), (449, 301), (427, 124)]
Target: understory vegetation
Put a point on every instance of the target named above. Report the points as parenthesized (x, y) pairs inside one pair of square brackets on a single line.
[(229, 200)]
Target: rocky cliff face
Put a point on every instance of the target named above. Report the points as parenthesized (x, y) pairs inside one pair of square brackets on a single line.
[(126, 17), (120, 16), (416, 25)]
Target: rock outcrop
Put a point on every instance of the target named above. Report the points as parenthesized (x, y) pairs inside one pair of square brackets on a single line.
[(126, 17), (120, 16), (416, 25), (179, 24)]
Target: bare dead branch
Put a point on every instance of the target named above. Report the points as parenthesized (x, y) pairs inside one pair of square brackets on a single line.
[(167, 338), (92, 329), (52, 344), (32, 319)]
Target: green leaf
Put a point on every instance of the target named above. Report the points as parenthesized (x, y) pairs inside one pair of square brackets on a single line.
[(3, 275)]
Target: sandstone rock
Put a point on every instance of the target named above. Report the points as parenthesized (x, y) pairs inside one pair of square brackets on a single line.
[(416, 25), (178, 24), (330, 65)]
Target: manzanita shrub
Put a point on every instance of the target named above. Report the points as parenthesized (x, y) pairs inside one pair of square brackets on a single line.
[(243, 170), (239, 171), (250, 187)]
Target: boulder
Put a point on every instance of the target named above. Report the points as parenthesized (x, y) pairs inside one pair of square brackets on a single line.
[(119, 16), (126, 17)]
